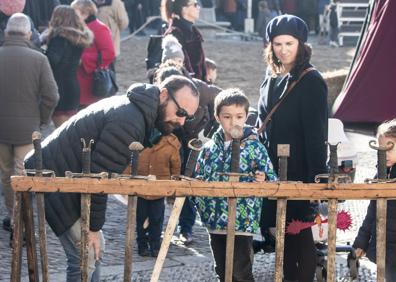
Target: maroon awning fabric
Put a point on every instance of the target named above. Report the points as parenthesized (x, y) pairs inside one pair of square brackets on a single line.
[(369, 94)]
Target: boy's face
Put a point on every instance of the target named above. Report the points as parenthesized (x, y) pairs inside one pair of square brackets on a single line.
[(390, 154), (230, 116), (211, 75)]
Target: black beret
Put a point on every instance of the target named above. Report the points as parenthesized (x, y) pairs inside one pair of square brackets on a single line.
[(287, 25)]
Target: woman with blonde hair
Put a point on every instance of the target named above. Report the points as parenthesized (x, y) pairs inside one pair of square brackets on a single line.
[(67, 37), (102, 44)]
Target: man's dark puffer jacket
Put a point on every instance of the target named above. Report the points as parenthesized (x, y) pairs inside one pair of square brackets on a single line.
[(113, 123)]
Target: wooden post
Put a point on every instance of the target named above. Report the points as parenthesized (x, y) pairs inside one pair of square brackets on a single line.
[(85, 211), (283, 154), (27, 211), (17, 239), (170, 229), (381, 238), (42, 236), (38, 157), (229, 263), (331, 249), (130, 238)]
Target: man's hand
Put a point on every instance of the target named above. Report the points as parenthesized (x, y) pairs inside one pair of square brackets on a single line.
[(359, 252), (259, 176), (94, 242)]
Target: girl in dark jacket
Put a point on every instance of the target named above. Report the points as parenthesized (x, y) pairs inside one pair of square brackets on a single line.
[(365, 242), (181, 16), (301, 121), (67, 38)]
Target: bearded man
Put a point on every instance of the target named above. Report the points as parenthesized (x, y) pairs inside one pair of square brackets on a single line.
[(113, 123)]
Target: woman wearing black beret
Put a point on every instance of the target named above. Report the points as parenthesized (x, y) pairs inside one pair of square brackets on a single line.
[(299, 94)]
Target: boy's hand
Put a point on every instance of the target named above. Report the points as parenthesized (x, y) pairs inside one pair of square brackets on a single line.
[(359, 252), (259, 176)]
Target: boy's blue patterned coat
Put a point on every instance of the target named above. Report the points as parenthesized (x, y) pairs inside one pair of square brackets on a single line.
[(213, 159)]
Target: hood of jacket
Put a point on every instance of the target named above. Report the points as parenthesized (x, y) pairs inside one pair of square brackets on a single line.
[(146, 98), (83, 38)]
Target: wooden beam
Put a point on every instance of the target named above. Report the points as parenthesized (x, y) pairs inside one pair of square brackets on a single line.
[(130, 238), (288, 190), (42, 236), (230, 242), (280, 238), (331, 249), (17, 240), (381, 238)]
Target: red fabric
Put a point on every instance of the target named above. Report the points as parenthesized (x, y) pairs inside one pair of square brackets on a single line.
[(9, 7), (370, 92), (102, 42)]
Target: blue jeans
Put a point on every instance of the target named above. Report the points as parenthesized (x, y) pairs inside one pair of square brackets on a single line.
[(71, 241), (187, 217)]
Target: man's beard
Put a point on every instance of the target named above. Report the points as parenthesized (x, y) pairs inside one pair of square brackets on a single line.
[(165, 127)]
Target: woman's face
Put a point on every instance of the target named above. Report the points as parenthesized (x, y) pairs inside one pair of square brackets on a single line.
[(285, 48), (190, 12)]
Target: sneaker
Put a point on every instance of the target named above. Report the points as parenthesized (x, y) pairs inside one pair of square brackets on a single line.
[(186, 238), (7, 224)]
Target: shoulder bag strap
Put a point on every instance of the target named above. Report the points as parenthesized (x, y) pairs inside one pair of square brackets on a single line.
[(276, 106)]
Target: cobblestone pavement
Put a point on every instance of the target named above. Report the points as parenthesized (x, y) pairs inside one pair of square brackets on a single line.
[(193, 263)]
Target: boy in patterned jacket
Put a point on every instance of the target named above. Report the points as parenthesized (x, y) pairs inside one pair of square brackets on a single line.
[(231, 109)]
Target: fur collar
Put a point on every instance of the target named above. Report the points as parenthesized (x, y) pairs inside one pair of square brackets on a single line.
[(77, 37)]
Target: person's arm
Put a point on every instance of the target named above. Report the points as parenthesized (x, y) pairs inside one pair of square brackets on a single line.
[(121, 15), (55, 51), (263, 162), (48, 92), (314, 118), (364, 234)]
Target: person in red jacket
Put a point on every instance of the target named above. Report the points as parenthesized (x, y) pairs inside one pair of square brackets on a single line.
[(103, 43)]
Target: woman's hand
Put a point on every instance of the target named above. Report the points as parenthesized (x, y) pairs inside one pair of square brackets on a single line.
[(259, 176)]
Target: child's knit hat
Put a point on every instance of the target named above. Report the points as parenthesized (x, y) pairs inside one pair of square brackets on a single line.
[(171, 48)]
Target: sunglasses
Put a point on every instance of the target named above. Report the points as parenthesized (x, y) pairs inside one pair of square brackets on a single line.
[(180, 112)]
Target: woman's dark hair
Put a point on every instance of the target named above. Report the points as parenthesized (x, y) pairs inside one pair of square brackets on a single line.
[(304, 53), (171, 8)]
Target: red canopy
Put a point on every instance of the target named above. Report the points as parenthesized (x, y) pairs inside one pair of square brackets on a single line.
[(369, 94)]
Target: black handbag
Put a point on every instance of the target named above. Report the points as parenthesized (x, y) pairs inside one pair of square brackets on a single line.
[(104, 81)]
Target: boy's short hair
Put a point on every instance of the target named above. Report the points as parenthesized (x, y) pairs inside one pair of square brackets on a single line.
[(231, 96), (210, 64)]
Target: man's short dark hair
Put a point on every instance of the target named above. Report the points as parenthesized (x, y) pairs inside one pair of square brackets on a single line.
[(231, 96), (174, 83)]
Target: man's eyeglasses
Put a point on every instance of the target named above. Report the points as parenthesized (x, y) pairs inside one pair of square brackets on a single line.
[(180, 112)]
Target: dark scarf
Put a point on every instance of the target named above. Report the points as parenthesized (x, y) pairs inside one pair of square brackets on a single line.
[(90, 18)]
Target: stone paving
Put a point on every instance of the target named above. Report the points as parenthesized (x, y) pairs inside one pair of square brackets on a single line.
[(192, 263)]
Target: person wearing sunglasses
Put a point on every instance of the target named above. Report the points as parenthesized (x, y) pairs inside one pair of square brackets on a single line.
[(181, 16)]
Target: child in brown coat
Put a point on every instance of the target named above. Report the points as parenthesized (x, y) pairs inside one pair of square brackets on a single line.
[(161, 160)]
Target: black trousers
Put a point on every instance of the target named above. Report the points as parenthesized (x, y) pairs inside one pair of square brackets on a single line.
[(300, 257), (243, 257), (154, 211)]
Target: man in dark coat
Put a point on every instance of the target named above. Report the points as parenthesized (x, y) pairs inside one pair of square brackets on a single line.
[(112, 123), (27, 98)]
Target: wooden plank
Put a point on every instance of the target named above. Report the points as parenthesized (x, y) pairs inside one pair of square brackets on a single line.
[(229, 263), (290, 190), (170, 229), (331, 242), (130, 238), (381, 238), (42, 236), (27, 213), (17, 240), (280, 238), (85, 213)]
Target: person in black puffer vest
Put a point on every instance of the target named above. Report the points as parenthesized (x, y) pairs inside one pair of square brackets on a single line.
[(113, 123)]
